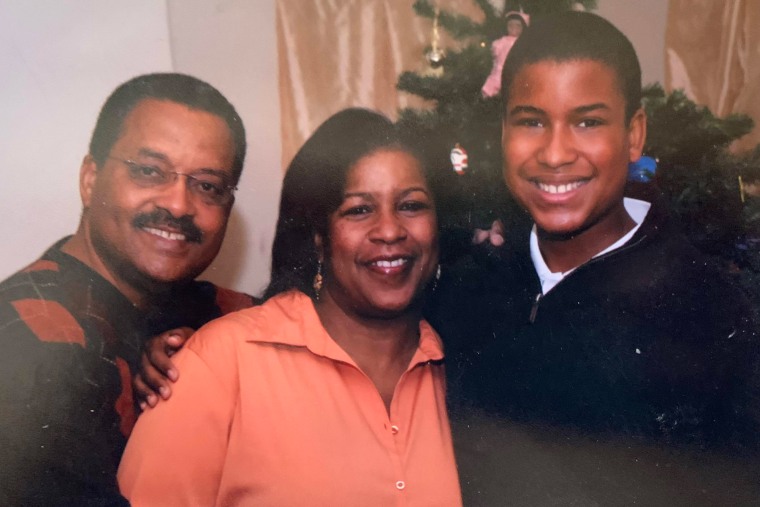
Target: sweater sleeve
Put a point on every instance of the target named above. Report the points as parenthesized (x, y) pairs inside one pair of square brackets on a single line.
[(59, 435), (176, 453)]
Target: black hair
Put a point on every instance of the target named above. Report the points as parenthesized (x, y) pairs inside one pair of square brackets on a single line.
[(518, 17), (572, 35), (174, 87), (314, 184)]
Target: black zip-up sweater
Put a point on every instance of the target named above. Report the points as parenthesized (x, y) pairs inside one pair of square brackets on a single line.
[(648, 340)]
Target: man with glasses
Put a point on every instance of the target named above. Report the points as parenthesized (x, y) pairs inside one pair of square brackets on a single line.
[(157, 189)]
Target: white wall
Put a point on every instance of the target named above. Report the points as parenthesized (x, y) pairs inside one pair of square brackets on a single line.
[(59, 62)]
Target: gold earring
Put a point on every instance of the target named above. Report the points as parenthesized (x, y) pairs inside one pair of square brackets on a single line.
[(317, 284)]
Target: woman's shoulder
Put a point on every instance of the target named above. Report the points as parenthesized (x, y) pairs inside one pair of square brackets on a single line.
[(225, 334)]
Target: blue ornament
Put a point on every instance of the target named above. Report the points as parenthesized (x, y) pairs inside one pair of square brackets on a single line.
[(642, 170)]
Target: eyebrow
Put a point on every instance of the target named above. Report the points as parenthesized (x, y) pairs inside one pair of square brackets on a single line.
[(578, 110), (591, 107), (404, 193), (525, 109), (415, 189), (147, 152), (365, 195)]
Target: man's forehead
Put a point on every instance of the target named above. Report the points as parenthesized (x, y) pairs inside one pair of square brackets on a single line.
[(164, 129), (150, 109)]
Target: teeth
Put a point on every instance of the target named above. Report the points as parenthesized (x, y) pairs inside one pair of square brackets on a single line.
[(559, 189), (174, 236), (390, 264)]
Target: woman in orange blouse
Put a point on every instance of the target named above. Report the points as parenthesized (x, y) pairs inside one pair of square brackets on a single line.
[(331, 392)]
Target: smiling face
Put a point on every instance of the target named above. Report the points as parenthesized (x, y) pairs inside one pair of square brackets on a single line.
[(144, 235), (567, 146), (383, 238)]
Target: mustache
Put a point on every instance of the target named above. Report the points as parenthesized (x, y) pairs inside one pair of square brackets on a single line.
[(161, 217)]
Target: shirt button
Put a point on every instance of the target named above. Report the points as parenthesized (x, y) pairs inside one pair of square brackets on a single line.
[(394, 429), (400, 485)]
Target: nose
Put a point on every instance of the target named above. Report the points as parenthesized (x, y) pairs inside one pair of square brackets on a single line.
[(388, 228), (176, 197), (557, 149)]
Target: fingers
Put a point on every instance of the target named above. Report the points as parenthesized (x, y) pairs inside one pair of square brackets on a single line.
[(158, 360), (165, 345), (150, 386), (174, 343), (153, 381), (175, 339), (145, 396)]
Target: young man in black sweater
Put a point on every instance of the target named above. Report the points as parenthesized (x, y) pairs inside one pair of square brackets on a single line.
[(599, 319)]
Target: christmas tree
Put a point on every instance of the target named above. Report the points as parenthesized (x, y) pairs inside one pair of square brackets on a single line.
[(695, 169), (703, 181)]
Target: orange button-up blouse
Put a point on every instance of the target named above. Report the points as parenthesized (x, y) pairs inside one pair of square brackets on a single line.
[(270, 411)]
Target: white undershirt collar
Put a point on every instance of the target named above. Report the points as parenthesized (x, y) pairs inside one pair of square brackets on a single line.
[(635, 208)]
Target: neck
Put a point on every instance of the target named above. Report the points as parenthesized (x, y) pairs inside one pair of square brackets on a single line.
[(382, 339), (565, 252), (80, 247), (381, 347)]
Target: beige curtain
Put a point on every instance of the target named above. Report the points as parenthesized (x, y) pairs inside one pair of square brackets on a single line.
[(340, 53), (712, 51)]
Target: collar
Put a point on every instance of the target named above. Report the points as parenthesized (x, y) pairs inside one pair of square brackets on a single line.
[(636, 209), (291, 319)]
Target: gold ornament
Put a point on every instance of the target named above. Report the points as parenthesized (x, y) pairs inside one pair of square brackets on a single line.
[(436, 56)]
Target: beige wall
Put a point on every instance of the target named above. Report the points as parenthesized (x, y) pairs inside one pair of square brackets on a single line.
[(643, 22)]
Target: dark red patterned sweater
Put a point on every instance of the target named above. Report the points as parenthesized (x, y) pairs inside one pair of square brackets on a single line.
[(70, 342)]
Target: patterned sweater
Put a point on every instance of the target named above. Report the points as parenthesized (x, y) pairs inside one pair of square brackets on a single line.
[(71, 343)]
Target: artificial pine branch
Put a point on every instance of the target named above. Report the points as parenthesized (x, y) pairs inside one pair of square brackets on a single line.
[(680, 132), (487, 8), (424, 9)]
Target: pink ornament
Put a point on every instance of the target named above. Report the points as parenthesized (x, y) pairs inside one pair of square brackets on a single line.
[(499, 50)]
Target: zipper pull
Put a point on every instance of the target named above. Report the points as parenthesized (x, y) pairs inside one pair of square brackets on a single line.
[(534, 308)]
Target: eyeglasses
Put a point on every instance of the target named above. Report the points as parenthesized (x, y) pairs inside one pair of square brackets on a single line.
[(211, 188)]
